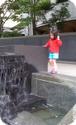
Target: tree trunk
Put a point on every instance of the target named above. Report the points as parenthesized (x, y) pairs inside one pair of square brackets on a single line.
[(34, 25), (33, 15), (1, 26)]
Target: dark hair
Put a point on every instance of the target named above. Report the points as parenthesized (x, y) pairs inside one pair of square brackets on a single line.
[(55, 34)]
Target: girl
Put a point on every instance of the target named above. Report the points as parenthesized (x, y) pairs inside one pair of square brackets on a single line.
[(53, 44)]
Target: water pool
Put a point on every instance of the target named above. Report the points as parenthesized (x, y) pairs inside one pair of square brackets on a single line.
[(41, 116)]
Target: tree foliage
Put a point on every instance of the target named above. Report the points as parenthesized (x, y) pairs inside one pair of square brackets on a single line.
[(5, 13), (27, 11), (11, 34), (59, 15), (34, 9)]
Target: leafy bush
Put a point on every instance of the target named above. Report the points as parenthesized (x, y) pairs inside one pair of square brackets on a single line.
[(10, 34)]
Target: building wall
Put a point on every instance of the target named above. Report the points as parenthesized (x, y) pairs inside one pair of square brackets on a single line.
[(69, 26)]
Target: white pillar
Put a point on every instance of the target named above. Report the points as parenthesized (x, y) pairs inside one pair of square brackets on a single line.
[(53, 1), (30, 29)]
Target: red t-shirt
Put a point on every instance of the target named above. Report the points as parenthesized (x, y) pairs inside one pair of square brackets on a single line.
[(54, 45)]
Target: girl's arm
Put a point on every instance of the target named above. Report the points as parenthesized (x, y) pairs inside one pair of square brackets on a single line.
[(59, 42), (46, 45)]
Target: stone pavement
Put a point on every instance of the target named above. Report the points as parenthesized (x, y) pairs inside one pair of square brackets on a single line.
[(67, 68)]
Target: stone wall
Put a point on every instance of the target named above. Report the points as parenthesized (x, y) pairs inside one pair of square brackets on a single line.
[(37, 56), (67, 52), (59, 90)]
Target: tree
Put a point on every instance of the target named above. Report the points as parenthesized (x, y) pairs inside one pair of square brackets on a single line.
[(59, 16), (5, 13), (34, 9)]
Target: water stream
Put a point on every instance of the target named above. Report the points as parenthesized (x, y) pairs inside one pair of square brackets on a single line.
[(17, 105)]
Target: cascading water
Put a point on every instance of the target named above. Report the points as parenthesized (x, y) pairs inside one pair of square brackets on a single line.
[(15, 87)]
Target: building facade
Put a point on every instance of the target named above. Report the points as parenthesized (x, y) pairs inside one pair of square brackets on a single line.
[(69, 23)]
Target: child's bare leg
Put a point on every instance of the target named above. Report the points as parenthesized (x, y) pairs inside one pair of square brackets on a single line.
[(50, 65), (53, 66)]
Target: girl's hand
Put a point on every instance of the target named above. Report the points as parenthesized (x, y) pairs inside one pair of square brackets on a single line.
[(44, 46)]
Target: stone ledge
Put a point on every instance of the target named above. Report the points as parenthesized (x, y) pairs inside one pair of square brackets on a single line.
[(56, 78)]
